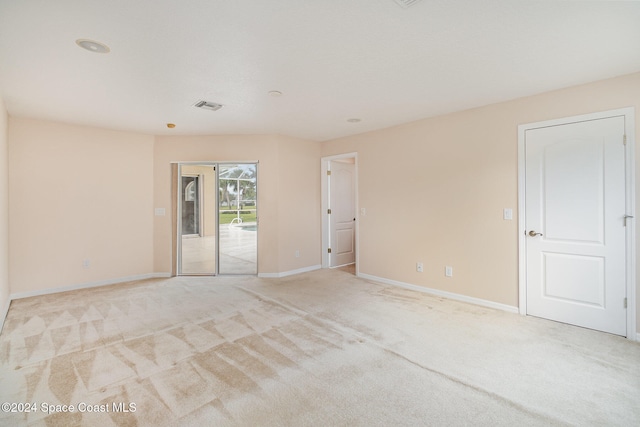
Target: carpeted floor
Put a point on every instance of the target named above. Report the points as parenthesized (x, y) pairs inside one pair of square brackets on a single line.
[(321, 348)]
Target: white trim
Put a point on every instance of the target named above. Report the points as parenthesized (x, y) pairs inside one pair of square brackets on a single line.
[(629, 120), (324, 202), (325, 161), (437, 292), (290, 272), (88, 285), (178, 211), (522, 258), (199, 162), (632, 309)]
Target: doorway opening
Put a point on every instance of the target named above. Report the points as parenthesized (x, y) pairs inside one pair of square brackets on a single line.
[(340, 226), (217, 218)]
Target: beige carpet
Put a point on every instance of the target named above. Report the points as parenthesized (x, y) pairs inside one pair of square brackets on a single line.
[(322, 348)]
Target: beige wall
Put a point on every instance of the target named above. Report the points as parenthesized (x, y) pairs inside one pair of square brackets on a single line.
[(84, 193), (284, 165), (78, 193), (434, 190), (299, 219), (4, 213)]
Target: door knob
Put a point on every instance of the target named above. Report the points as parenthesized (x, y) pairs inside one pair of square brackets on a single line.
[(534, 234)]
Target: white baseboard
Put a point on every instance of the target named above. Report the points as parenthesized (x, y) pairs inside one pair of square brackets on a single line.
[(290, 272), (449, 295), (28, 294)]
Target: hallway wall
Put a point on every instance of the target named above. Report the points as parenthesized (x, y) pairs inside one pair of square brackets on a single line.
[(288, 194)]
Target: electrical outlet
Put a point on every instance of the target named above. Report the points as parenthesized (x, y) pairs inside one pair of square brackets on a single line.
[(448, 271), (86, 263), (419, 267), (298, 254)]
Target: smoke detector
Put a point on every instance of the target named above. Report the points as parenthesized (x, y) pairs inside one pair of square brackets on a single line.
[(206, 105), (93, 46), (406, 3)]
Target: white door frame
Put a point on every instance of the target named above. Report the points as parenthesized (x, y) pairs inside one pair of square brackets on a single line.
[(325, 161), (629, 120), (177, 210)]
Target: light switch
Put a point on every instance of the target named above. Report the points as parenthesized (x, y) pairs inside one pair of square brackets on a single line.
[(508, 214)]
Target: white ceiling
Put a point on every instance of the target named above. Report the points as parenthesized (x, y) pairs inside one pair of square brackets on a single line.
[(332, 59)]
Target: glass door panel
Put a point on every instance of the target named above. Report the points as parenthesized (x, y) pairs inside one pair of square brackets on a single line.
[(237, 214), (197, 207)]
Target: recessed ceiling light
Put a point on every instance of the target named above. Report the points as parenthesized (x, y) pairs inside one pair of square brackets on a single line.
[(275, 93), (93, 46), (354, 120)]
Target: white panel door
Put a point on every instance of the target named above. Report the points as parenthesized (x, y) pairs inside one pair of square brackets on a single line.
[(343, 214), (575, 231)]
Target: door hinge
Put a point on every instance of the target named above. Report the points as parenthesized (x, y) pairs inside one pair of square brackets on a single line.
[(329, 211), (328, 172), (329, 250), (624, 139), (625, 303)]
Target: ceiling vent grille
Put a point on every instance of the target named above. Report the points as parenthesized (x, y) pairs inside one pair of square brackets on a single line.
[(406, 3), (206, 105)]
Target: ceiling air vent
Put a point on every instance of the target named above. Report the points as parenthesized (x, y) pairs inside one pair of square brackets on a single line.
[(206, 105), (406, 3)]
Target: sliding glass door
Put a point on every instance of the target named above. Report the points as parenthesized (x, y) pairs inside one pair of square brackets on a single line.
[(217, 218), (238, 225)]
